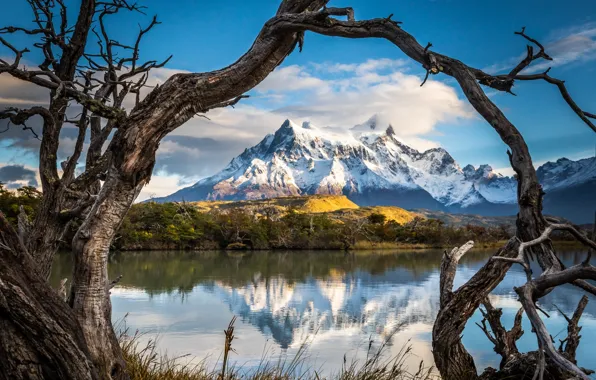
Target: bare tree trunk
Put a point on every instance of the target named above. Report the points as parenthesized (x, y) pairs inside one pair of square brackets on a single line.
[(45, 235), (40, 337), (89, 296)]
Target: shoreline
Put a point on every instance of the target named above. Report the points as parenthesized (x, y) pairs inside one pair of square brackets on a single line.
[(359, 246)]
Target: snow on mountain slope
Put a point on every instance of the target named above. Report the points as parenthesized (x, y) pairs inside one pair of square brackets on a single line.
[(368, 162), (494, 187), (306, 160), (566, 173)]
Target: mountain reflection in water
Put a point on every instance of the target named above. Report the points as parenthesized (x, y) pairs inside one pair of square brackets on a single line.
[(336, 302)]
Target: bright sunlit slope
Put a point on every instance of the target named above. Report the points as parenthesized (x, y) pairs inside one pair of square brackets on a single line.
[(338, 205)]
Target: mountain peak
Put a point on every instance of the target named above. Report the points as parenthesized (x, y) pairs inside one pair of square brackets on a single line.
[(390, 131), (485, 168), (285, 133), (483, 171), (286, 128), (290, 125), (373, 124)]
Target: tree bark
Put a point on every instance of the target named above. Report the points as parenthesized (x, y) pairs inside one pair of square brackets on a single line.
[(40, 337), (89, 296)]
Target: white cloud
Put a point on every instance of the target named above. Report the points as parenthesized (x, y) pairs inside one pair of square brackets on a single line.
[(167, 148), (17, 92), (292, 78), (420, 143), (160, 186), (370, 65), (567, 50), (506, 171), (397, 97), (14, 175)]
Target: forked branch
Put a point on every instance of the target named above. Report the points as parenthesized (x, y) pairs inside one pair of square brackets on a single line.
[(573, 329), (527, 295), (20, 116), (514, 74), (504, 341), (530, 57)]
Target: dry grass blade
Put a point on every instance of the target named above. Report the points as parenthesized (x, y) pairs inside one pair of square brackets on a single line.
[(229, 338)]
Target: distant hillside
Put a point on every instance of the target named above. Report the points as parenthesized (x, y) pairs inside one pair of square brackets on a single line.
[(337, 206), (316, 222), (340, 207), (461, 220), (396, 214), (309, 204)]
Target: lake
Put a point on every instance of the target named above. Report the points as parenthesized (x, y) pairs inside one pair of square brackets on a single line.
[(334, 302)]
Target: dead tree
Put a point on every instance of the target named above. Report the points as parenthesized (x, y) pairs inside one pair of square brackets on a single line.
[(78, 338)]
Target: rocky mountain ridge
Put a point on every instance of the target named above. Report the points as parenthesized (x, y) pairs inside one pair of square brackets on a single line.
[(371, 166)]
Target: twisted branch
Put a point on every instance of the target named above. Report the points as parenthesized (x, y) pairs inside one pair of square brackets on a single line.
[(504, 341), (573, 329)]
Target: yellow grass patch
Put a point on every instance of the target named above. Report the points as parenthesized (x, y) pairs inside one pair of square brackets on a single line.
[(337, 205), (308, 204)]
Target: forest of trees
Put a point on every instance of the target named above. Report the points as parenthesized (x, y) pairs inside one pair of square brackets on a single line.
[(178, 226), (10, 202)]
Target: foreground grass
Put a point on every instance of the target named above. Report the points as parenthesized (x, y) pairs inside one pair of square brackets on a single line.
[(144, 362)]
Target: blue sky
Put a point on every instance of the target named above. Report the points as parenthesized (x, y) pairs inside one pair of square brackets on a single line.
[(341, 82)]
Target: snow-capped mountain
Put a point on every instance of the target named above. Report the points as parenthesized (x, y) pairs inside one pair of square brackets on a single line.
[(370, 165)]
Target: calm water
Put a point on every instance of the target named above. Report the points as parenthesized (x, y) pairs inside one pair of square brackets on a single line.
[(335, 302)]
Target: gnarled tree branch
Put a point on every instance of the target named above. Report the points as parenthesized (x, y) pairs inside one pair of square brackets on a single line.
[(573, 329), (504, 341)]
